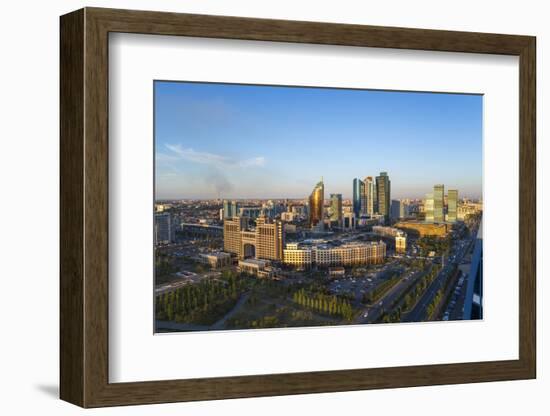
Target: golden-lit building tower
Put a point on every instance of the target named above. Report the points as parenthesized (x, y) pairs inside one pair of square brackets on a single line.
[(429, 207), (316, 202), (370, 194), (265, 241), (270, 239), (232, 239)]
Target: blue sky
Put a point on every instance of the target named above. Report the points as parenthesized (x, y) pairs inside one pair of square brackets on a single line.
[(246, 141)]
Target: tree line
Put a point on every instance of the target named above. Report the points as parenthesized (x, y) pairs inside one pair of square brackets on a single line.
[(433, 304), (200, 303), (325, 304), (440, 245), (414, 295), (379, 291), (409, 297)]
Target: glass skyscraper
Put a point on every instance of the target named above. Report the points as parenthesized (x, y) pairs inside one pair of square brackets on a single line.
[(429, 207), (439, 203), (383, 189), (364, 196), (358, 190), (396, 209), (165, 229), (316, 201), (230, 209), (452, 200)]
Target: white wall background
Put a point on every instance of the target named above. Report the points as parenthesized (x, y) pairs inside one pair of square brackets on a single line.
[(29, 84)]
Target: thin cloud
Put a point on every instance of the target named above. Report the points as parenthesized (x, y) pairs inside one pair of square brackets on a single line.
[(213, 159), (255, 161)]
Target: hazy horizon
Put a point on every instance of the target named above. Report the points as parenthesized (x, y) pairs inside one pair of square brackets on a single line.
[(232, 141)]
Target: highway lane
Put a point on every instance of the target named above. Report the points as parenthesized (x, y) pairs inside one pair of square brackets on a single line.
[(419, 312), (383, 305), (189, 278)]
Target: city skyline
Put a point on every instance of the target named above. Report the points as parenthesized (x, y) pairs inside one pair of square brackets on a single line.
[(261, 142)]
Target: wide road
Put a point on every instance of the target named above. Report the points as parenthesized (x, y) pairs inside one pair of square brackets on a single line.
[(419, 312), (192, 278), (383, 305)]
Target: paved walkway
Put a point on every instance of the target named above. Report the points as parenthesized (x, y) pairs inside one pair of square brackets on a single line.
[(221, 323)]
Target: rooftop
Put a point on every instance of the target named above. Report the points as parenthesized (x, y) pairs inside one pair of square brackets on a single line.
[(256, 262), (217, 255), (325, 245)]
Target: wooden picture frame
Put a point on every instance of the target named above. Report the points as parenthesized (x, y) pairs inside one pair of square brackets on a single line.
[(84, 207)]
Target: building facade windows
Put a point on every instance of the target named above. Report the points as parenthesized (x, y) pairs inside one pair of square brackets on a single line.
[(265, 241), (383, 187), (439, 203), (452, 205), (165, 229), (345, 255)]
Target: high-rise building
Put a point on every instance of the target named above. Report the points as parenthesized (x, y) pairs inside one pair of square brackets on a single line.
[(369, 198), (227, 209), (358, 192), (383, 187), (364, 197), (270, 239), (399, 209), (249, 212), (395, 211), (316, 208), (165, 229), (232, 239), (429, 207), (265, 241), (452, 200), (336, 208), (439, 194), (230, 209)]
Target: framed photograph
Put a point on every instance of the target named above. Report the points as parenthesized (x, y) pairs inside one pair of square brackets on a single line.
[(254, 207)]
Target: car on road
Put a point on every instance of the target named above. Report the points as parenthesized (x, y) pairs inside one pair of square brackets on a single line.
[(366, 314)]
